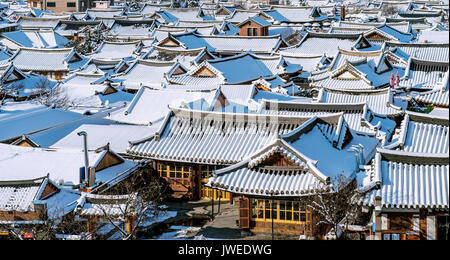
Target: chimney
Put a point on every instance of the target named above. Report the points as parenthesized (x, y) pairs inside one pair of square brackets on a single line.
[(86, 157), (342, 13)]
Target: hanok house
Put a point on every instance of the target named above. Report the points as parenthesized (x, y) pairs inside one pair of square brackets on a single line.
[(423, 75), (53, 63), (272, 181), (191, 144), (438, 96), (360, 118), (408, 193), (21, 202), (408, 185), (21, 86), (254, 26), (223, 45), (68, 166), (99, 210), (76, 30)]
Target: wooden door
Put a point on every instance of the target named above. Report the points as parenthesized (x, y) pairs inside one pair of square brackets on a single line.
[(244, 212)]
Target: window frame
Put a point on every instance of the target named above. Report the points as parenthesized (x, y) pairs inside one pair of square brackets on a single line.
[(261, 211)]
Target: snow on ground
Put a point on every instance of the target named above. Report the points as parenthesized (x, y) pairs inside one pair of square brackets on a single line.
[(179, 233), (160, 217)]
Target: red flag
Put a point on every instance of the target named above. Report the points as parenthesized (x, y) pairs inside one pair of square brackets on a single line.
[(392, 80), (397, 79)]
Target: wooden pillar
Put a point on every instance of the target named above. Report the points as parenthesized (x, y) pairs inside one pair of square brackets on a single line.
[(271, 215), (377, 218), (423, 224), (195, 182), (212, 207), (220, 196)]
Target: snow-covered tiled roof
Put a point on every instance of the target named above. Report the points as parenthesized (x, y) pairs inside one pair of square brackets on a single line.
[(116, 50), (131, 27), (144, 72), (422, 51), (314, 44), (435, 97), (43, 59), (308, 172), (228, 44), (268, 182), (17, 123), (69, 28), (105, 205), (239, 135), (117, 137), (19, 195), (36, 39), (228, 70), (22, 163), (157, 101), (401, 26), (424, 75), (379, 101), (35, 22), (424, 134), (409, 181), (358, 116)]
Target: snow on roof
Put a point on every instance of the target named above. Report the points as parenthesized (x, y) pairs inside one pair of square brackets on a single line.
[(260, 44), (101, 205), (24, 84), (257, 20), (184, 14), (379, 101), (220, 138), (357, 70), (315, 44), (127, 27), (15, 123), (229, 44), (98, 135), (55, 59), (23, 163), (424, 75), (409, 181), (433, 37), (421, 133), (115, 50), (401, 26), (157, 101), (299, 14), (315, 146), (69, 28), (144, 72), (19, 195), (85, 90), (36, 39), (61, 203), (437, 97), (358, 116), (35, 22), (309, 174), (227, 70), (422, 51), (98, 14)]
